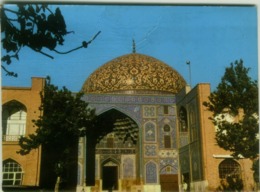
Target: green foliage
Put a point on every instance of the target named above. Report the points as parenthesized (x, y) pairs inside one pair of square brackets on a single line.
[(31, 25), (65, 117), (236, 92)]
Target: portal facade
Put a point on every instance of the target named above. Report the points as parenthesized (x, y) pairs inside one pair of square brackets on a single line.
[(137, 149), (146, 150)]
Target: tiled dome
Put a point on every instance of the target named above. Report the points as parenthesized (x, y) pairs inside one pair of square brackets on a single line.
[(134, 73)]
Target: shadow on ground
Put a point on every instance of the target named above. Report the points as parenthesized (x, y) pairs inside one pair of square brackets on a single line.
[(31, 189)]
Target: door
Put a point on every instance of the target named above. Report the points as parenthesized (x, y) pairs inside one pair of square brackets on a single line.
[(110, 178), (169, 183)]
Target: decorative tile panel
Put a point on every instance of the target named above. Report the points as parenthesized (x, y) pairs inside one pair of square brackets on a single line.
[(184, 159), (149, 111), (115, 151), (167, 126), (132, 111), (129, 99), (183, 139), (128, 166), (150, 150), (151, 173), (150, 132), (171, 110), (104, 158), (169, 166), (196, 164), (168, 153)]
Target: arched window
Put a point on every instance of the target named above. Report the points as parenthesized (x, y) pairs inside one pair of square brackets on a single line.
[(229, 168), (12, 173), (14, 120), (183, 120), (128, 168), (167, 137), (166, 128), (193, 128), (166, 109)]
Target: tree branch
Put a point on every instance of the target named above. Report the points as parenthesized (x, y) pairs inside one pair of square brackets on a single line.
[(39, 51), (84, 44), (9, 73)]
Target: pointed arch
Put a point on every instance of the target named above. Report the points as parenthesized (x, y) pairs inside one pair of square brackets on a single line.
[(13, 120), (12, 172), (169, 169), (121, 110), (151, 173), (150, 131), (183, 119), (229, 168), (110, 162), (15, 103), (123, 126)]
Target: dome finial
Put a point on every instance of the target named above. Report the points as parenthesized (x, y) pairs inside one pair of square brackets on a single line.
[(134, 51)]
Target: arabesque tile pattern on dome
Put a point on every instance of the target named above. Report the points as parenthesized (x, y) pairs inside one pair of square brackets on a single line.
[(134, 72)]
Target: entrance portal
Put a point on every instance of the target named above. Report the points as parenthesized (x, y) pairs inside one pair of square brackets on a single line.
[(110, 177)]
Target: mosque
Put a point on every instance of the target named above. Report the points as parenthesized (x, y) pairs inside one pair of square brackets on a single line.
[(153, 135)]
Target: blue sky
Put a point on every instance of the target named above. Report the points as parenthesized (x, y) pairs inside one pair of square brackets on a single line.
[(210, 37)]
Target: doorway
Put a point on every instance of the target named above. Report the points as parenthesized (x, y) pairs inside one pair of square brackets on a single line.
[(110, 178), (169, 183)]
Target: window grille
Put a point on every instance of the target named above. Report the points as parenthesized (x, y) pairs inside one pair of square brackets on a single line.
[(12, 173), (13, 121), (229, 168)]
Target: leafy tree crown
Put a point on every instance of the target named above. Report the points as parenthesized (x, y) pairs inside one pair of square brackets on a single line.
[(236, 95)]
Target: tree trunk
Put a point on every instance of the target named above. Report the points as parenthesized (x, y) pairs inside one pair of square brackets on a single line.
[(56, 189), (90, 159)]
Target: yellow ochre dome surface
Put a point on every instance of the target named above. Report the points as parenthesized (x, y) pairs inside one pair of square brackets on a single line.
[(134, 72)]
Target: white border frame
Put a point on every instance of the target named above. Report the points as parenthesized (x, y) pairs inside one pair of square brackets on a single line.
[(148, 2)]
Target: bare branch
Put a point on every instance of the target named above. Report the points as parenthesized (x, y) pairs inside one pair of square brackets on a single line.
[(84, 44), (9, 73)]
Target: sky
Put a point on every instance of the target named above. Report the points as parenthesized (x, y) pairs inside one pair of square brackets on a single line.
[(210, 37)]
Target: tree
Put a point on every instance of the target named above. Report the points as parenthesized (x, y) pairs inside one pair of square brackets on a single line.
[(65, 118), (231, 184), (236, 95), (236, 92), (35, 26)]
